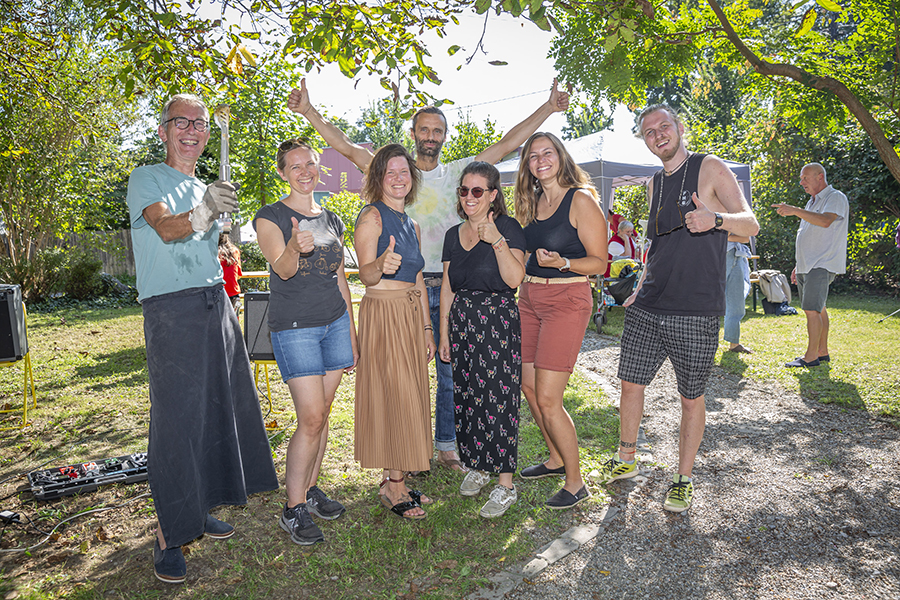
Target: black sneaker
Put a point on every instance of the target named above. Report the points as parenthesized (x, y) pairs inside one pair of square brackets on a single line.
[(322, 506), (299, 524)]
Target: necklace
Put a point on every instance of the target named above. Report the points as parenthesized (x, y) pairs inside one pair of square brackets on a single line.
[(681, 164), (662, 181), (401, 216)]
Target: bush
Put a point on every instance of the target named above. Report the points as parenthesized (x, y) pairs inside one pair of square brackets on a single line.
[(346, 205), (84, 280), (252, 259), (872, 254), (39, 277)]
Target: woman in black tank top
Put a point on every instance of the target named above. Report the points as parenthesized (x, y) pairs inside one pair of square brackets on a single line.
[(565, 234)]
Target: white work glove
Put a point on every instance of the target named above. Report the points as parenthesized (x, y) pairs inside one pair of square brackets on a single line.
[(219, 198)]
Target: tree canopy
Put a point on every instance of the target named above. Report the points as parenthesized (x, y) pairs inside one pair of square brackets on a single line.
[(816, 62)]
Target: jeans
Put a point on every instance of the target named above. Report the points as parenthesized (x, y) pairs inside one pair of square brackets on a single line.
[(444, 422), (736, 288)]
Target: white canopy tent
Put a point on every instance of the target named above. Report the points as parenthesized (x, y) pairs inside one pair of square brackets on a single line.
[(615, 160)]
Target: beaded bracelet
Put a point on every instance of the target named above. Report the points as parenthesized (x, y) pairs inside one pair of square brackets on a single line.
[(496, 245)]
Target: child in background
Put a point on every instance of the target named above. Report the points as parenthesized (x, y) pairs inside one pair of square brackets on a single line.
[(230, 257)]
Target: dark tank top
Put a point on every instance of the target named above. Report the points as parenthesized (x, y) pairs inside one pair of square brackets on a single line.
[(685, 271), (406, 242), (555, 234)]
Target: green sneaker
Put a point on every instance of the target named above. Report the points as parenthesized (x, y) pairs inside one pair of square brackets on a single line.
[(678, 498), (616, 469)]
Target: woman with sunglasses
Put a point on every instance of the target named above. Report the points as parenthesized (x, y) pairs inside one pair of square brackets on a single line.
[(484, 262), (565, 234), (310, 317), (393, 406)]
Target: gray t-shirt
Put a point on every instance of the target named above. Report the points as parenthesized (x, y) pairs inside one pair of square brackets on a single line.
[(824, 247), (311, 298)]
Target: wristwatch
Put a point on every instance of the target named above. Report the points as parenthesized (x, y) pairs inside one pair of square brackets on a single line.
[(565, 268), (718, 220)]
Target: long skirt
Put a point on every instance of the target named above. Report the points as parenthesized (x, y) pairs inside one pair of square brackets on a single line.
[(208, 444), (486, 354), (393, 405)]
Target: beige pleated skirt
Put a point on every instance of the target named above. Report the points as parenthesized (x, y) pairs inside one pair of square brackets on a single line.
[(393, 404)]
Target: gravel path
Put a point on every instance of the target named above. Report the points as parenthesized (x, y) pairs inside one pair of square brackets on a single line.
[(793, 499)]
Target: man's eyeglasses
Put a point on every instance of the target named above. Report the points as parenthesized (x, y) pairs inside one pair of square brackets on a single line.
[(477, 192), (200, 125)]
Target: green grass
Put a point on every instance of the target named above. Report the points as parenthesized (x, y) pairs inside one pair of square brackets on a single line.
[(863, 372), (92, 402)]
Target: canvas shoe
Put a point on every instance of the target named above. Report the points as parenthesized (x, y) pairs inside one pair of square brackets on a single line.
[(540, 471), (168, 564), (564, 499), (616, 469), (500, 500), (322, 506), (678, 498), (473, 482), (216, 529), (299, 524)]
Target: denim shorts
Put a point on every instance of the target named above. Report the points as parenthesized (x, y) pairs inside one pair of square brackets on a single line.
[(313, 350)]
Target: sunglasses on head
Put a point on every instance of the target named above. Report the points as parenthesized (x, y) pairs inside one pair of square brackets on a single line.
[(477, 192)]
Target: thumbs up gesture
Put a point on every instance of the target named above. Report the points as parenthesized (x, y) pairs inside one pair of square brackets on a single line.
[(298, 100), (389, 261), (487, 231), (701, 218), (302, 242)]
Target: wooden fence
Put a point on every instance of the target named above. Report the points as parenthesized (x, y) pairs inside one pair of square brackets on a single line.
[(112, 247)]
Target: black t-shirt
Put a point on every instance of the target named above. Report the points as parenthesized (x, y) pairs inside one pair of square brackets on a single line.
[(477, 269), (311, 298)]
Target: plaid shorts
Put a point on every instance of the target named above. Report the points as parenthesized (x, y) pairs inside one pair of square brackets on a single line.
[(690, 342)]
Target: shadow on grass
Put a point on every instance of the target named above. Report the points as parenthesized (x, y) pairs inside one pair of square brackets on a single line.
[(128, 361), (816, 384), (733, 363)]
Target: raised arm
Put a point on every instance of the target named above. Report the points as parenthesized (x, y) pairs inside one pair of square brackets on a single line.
[(818, 219), (298, 101), (515, 137)]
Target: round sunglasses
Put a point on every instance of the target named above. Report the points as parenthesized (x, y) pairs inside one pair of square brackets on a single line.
[(477, 192)]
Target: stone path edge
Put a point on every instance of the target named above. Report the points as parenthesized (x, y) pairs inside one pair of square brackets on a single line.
[(508, 579)]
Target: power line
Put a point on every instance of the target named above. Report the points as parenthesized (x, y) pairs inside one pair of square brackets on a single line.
[(494, 101)]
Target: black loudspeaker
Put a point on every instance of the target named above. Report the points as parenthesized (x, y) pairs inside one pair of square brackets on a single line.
[(256, 326), (13, 339)]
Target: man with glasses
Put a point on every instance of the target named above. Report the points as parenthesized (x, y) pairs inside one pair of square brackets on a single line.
[(695, 202), (435, 213), (207, 445), (821, 250)]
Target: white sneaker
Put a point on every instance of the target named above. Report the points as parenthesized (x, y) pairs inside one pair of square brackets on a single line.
[(501, 499), (473, 482)]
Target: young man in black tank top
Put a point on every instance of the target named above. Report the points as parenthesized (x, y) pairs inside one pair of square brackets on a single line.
[(676, 307)]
